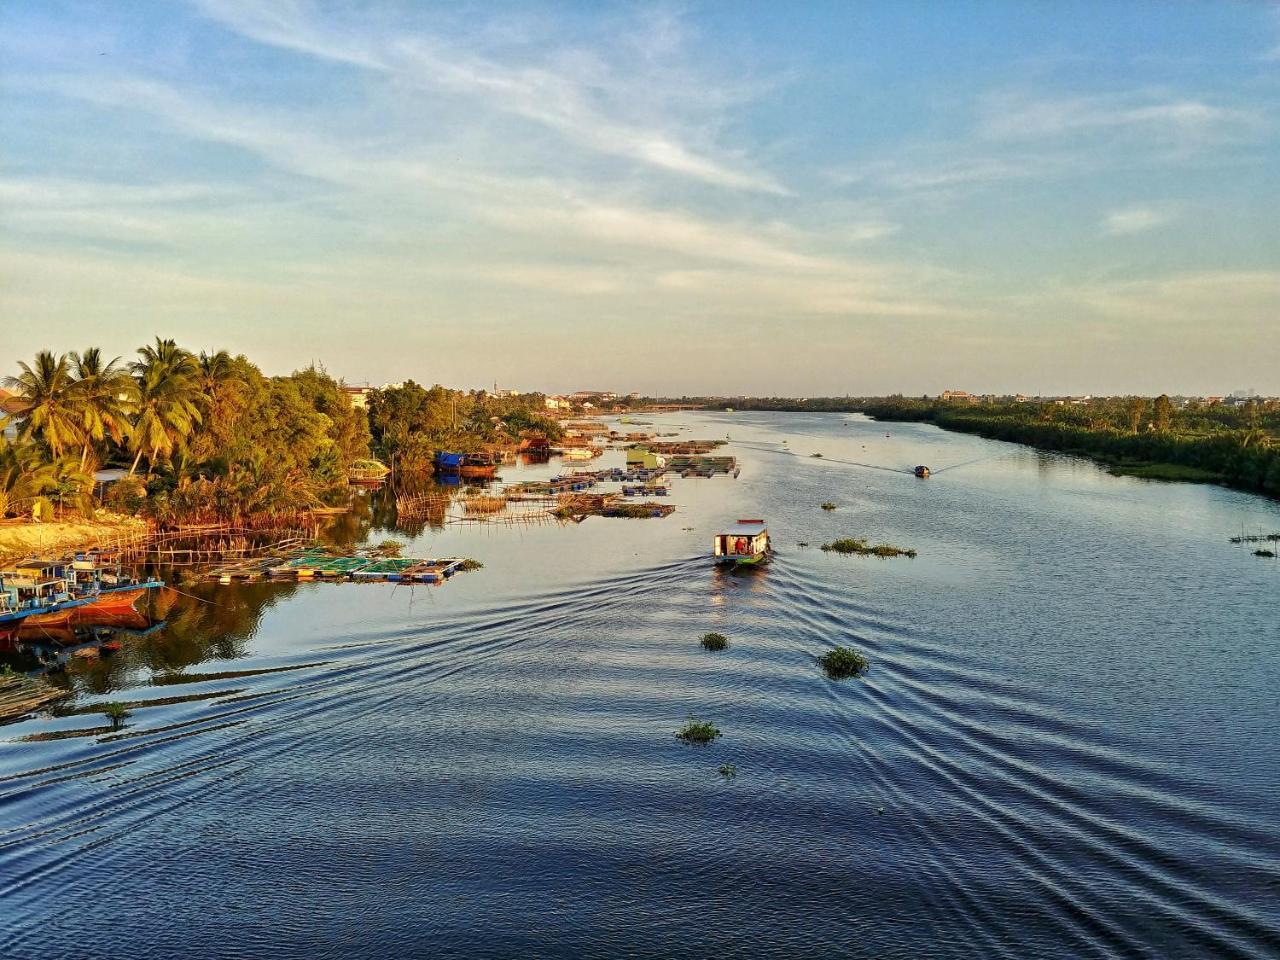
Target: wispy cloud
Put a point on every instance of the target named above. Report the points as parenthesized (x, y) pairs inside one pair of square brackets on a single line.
[(1185, 121), (1129, 220), (579, 95)]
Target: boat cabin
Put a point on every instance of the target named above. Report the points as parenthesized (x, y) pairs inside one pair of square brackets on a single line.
[(35, 583), (747, 541)]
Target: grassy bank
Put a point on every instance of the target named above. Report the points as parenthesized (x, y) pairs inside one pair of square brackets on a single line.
[(1172, 472)]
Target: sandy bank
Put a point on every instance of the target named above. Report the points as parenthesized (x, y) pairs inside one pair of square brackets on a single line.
[(42, 539)]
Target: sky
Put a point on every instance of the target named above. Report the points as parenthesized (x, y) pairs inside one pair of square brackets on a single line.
[(676, 198)]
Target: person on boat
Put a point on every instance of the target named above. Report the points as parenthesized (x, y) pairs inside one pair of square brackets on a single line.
[(740, 545)]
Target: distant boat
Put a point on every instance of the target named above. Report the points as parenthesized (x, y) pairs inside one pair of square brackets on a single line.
[(473, 465), (922, 472), (746, 543)]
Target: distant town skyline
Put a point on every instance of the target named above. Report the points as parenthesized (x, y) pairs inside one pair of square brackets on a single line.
[(672, 199)]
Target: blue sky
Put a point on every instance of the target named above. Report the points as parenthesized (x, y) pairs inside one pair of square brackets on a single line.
[(794, 198)]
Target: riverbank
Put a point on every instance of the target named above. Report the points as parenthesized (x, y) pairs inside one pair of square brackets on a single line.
[(27, 539), (1244, 460)]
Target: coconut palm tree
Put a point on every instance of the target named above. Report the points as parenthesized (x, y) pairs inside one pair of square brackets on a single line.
[(106, 395), (167, 401), (25, 482), (49, 404), (69, 485)]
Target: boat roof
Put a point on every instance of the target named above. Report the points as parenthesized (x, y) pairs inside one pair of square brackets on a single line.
[(744, 528)]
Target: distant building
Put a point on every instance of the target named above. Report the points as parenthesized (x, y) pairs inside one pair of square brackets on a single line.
[(359, 396), (959, 396), (556, 403)]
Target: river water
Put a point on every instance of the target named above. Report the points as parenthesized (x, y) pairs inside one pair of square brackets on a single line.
[(1065, 745)]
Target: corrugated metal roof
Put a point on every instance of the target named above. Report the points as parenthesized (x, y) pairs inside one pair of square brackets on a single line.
[(744, 528)]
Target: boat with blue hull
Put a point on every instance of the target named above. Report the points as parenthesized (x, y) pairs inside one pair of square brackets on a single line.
[(49, 591)]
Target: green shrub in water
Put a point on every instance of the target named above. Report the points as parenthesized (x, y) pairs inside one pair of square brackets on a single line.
[(728, 771), (697, 731), (828, 505), (117, 713), (841, 662), (714, 641)]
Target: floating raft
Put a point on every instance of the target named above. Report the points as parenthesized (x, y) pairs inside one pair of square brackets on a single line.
[(316, 565), (700, 466)]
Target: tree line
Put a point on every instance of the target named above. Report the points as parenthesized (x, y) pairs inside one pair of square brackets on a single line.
[(201, 437), (209, 438), (1236, 444)]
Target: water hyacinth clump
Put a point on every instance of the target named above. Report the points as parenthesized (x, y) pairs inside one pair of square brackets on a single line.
[(728, 771), (698, 731), (714, 641), (849, 545), (828, 505), (841, 662)]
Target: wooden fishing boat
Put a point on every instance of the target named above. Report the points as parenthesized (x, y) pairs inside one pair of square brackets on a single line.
[(745, 543), (101, 611), (475, 466)]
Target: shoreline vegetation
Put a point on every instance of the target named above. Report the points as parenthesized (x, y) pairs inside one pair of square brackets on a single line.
[(1147, 438), (208, 440)]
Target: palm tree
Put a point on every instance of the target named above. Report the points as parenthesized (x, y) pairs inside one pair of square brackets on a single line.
[(49, 405), (106, 395), (167, 410), (69, 484), (25, 481)]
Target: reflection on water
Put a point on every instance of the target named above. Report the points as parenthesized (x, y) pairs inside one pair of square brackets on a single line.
[(1059, 749)]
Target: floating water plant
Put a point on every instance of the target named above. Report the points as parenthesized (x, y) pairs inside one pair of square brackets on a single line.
[(841, 662), (1264, 553), (117, 713), (849, 545), (828, 505), (469, 564), (728, 771), (818, 455), (697, 731), (714, 641), (390, 548)]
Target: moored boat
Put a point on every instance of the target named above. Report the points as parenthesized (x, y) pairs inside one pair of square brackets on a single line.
[(744, 543), (473, 465)]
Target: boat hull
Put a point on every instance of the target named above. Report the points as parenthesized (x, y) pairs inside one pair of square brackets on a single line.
[(119, 602)]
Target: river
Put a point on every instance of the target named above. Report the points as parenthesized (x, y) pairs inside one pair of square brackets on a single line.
[(1065, 745)]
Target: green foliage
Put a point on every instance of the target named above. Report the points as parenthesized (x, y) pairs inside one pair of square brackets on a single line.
[(410, 423), (841, 662), (1238, 445), (728, 771), (469, 564), (1264, 553), (697, 731), (828, 505), (216, 440), (714, 641), (848, 545), (390, 548), (117, 713)]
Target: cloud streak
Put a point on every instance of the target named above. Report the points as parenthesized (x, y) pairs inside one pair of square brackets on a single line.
[(569, 97)]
